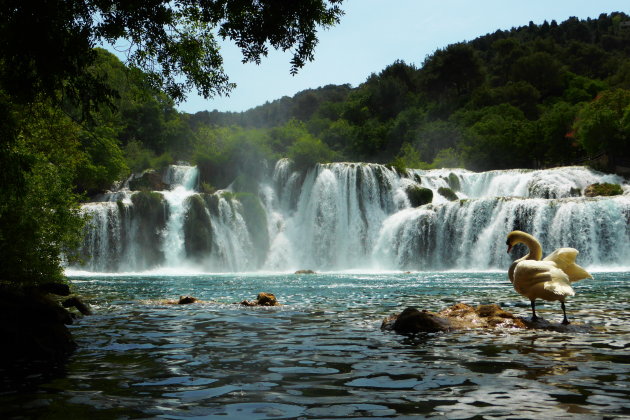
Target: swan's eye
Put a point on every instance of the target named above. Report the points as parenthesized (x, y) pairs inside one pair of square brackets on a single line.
[(507, 242)]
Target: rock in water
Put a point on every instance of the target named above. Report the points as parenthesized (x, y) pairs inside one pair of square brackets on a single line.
[(263, 299), (33, 327), (412, 320), (305, 272), (186, 300), (266, 299), (77, 302), (458, 316)]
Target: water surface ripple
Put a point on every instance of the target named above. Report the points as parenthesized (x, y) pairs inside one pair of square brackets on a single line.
[(322, 354)]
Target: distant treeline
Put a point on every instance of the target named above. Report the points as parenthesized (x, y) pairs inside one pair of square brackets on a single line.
[(533, 96)]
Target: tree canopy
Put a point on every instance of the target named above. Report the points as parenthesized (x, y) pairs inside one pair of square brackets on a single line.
[(46, 46)]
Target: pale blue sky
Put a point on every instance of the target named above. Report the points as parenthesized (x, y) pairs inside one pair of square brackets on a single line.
[(375, 33)]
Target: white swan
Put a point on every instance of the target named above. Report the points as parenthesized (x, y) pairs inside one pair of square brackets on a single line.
[(549, 279)]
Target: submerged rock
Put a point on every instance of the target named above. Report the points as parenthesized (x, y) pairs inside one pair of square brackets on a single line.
[(305, 272), (263, 299), (458, 316)]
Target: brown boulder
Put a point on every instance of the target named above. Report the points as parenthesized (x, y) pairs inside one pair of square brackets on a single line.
[(458, 316), (305, 272), (263, 299)]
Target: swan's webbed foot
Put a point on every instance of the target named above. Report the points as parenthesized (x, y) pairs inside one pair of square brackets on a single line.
[(565, 321)]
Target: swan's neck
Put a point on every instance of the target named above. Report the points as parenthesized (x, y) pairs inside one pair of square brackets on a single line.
[(535, 250)]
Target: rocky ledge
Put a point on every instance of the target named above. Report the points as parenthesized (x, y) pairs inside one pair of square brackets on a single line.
[(461, 316), (33, 322)]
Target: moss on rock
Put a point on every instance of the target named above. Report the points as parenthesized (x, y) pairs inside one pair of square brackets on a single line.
[(197, 228), (604, 189), (256, 220), (453, 182), (447, 193), (149, 213), (419, 196)]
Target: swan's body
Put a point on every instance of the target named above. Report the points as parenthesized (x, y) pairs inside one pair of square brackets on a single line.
[(549, 279)]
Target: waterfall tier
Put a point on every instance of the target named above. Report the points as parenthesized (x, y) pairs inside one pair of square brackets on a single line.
[(357, 216)]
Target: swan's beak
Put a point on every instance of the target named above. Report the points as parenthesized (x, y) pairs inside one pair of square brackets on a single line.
[(509, 248)]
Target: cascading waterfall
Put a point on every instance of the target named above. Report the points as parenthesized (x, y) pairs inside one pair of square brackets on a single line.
[(357, 216), (183, 180)]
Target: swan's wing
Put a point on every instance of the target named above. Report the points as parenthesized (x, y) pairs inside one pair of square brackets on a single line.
[(541, 279), (565, 260)]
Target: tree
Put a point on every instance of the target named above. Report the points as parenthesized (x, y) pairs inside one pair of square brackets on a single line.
[(308, 151), (175, 43), (603, 126), (39, 214)]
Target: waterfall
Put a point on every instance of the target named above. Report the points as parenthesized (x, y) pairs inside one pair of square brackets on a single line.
[(182, 180), (342, 216)]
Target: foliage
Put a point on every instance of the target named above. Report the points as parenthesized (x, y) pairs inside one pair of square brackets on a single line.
[(409, 157), (506, 99), (222, 154), (306, 151), (39, 213), (174, 43), (603, 125)]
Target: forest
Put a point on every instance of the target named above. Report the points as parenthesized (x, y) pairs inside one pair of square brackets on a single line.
[(536, 96), (532, 97)]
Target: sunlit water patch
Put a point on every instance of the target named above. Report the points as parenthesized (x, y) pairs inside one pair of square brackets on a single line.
[(322, 354)]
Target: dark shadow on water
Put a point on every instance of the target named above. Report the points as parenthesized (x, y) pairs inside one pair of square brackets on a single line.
[(27, 376)]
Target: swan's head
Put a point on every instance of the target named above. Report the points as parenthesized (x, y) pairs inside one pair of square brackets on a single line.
[(515, 237)]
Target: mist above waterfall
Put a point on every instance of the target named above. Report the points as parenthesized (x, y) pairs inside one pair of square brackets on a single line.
[(344, 216)]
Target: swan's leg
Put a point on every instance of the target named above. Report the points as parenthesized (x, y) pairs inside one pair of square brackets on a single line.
[(534, 317), (565, 321)]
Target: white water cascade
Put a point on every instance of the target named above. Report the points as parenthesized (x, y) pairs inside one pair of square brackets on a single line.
[(358, 216), (183, 180)]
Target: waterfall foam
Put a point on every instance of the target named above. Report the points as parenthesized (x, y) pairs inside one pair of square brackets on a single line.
[(344, 216)]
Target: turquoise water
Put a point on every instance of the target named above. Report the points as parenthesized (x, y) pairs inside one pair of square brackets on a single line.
[(322, 354)]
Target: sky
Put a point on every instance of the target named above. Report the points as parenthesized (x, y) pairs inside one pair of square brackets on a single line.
[(374, 33)]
